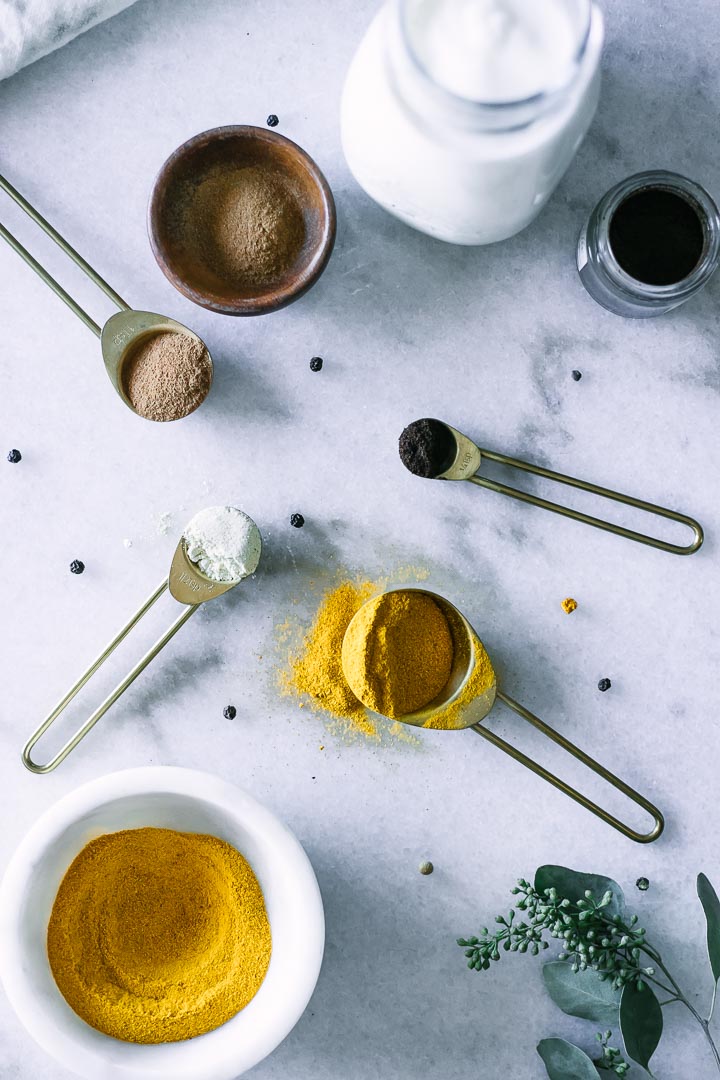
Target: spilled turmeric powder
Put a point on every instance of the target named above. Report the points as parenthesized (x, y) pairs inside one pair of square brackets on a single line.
[(157, 936), (311, 660), (475, 698), (316, 668)]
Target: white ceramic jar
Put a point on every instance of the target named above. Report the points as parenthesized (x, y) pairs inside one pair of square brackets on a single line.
[(461, 116)]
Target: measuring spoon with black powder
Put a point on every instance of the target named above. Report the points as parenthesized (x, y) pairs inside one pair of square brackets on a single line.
[(434, 450)]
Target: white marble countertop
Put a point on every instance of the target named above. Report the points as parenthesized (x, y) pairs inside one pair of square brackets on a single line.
[(408, 327)]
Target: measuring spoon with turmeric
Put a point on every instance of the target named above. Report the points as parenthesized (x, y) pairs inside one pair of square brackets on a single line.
[(410, 655), (159, 368)]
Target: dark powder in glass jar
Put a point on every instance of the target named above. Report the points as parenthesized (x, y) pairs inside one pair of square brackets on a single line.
[(657, 236)]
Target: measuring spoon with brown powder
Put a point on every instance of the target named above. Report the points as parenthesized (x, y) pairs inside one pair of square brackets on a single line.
[(159, 368)]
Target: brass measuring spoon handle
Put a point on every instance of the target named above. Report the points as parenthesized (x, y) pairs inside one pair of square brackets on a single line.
[(114, 695), (49, 280), (68, 249), (62, 243), (595, 489), (561, 785)]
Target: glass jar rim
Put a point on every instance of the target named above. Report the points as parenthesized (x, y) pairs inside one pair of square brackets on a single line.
[(691, 192), (543, 100)]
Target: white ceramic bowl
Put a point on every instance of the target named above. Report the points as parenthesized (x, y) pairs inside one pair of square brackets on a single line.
[(178, 799)]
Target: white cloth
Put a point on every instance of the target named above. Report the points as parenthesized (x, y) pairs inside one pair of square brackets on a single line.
[(30, 29)]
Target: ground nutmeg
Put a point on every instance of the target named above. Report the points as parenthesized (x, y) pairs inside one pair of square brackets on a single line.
[(245, 223), (167, 376)]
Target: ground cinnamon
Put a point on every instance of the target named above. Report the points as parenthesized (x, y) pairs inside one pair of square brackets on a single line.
[(245, 223), (167, 376)]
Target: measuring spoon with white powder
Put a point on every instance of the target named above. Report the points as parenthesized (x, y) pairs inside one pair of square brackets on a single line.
[(219, 547)]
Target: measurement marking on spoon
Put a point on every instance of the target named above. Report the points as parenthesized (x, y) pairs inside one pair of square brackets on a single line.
[(196, 586), (125, 335)]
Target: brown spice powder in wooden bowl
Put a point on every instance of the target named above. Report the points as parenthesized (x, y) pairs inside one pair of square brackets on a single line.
[(245, 223), (167, 376), (241, 220)]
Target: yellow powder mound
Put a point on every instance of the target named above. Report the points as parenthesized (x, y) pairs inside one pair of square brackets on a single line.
[(398, 653), (157, 936)]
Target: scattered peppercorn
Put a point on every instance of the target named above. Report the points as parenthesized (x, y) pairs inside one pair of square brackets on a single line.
[(569, 605), (229, 712), (577, 375), (14, 456), (426, 868), (272, 120), (297, 521), (77, 567), (643, 884), (604, 685), (316, 363)]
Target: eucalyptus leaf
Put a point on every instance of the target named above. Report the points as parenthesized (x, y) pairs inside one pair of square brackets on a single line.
[(582, 994), (563, 1061), (711, 907), (641, 1022), (571, 884)]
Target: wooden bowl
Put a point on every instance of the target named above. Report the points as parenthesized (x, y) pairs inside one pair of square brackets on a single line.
[(182, 253)]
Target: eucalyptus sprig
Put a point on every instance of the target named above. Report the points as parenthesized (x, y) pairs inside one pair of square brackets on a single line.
[(607, 969), (611, 1059), (592, 933)]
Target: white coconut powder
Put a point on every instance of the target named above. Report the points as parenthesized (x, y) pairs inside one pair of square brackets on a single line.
[(224, 543)]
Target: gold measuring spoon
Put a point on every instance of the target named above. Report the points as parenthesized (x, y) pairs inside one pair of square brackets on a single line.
[(441, 714), (435, 450), (124, 331), (188, 585)]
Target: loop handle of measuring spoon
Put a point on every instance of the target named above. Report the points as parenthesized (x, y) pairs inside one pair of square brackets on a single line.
[(67, 248), (561, 785), (110, 700), (594, 489)]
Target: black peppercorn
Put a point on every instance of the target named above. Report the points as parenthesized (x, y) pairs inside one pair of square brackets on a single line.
[(14, 456), (229, 712), (316, 363), (642, 884), (272, 120), (604, 685), (77, 567), (577, 375), (297, 521)]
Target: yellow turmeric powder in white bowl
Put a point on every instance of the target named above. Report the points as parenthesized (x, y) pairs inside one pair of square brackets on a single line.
[(187, 802)]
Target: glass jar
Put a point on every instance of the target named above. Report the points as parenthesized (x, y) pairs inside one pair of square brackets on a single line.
[(615, 289), (464, 170)]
